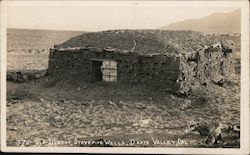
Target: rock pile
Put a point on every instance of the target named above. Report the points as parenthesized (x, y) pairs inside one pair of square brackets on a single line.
[(24, 76)]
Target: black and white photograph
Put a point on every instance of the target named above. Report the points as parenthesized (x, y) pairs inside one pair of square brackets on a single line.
[(125, 76)]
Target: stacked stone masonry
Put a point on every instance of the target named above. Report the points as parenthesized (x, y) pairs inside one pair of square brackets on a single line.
[(177, 73)]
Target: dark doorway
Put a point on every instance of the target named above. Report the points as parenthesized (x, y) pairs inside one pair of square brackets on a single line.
[(103, 70), (96, 74)]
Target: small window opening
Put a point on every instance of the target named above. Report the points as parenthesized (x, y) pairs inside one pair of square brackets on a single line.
[(109, 71)]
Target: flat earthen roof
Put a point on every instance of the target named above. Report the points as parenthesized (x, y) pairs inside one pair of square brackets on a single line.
[(147, 41)]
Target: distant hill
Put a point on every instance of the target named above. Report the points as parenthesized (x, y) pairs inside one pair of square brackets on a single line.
[(37, 39), (29, 49), (217, 23)]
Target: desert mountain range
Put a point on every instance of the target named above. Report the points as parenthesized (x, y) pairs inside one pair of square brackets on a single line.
[(217, 23)]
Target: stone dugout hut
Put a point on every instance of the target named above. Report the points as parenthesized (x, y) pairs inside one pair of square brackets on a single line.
[(176, 61)]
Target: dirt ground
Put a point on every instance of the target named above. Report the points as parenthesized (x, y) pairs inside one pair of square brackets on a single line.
[(64, 111)]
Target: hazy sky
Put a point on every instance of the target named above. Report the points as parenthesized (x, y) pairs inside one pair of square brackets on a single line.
[(96, 18)]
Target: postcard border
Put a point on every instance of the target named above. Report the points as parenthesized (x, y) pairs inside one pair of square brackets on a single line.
[(244, 149)]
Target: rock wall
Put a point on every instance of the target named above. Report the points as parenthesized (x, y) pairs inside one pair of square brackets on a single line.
[(159, 70), (210, 65), (181, 73)]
